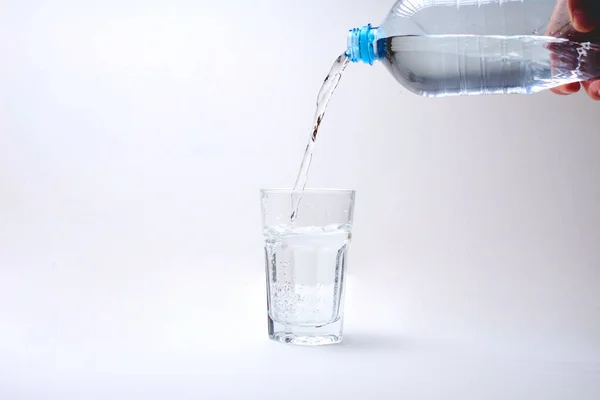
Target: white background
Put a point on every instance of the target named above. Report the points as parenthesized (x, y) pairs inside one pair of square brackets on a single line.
[(134, 137)]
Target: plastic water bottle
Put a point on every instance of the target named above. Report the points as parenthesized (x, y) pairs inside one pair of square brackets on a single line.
[(441, 48)]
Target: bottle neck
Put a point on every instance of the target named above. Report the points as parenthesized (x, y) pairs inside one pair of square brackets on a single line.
[(362, 44)]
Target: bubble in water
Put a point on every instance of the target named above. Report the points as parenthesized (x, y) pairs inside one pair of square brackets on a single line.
[(303, 297)]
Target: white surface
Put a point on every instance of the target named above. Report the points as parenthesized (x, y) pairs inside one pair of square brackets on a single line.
[(134, 137)]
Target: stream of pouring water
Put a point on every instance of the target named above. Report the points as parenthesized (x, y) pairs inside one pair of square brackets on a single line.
[(329, 85)]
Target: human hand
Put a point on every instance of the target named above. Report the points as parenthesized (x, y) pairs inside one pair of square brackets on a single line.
[(584, 25)]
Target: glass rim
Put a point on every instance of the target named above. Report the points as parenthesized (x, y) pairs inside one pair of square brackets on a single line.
[(308, 191)]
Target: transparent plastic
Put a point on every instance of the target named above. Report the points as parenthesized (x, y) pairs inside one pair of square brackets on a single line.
[(469, 47)]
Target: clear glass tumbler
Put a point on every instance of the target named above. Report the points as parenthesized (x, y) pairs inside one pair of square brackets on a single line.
[(306, 263)]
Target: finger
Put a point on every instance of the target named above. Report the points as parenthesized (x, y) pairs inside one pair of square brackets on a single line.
[(593, 89), (585, 14), (567, 89), (560, 21)]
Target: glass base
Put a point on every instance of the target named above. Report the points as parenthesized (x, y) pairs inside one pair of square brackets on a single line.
[(306, 335)]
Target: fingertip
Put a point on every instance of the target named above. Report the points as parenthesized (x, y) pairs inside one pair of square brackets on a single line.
[(585, 14), (593, 90), (567, 89), (558, 92), (582, 21), (572, 87)]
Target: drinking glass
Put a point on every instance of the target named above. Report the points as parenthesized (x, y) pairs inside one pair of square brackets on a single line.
[(306, 260)]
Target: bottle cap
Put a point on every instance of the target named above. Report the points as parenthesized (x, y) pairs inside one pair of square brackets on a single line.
[(361, 44)]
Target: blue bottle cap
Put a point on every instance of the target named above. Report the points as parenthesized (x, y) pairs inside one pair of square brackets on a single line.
[(361, 44)]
